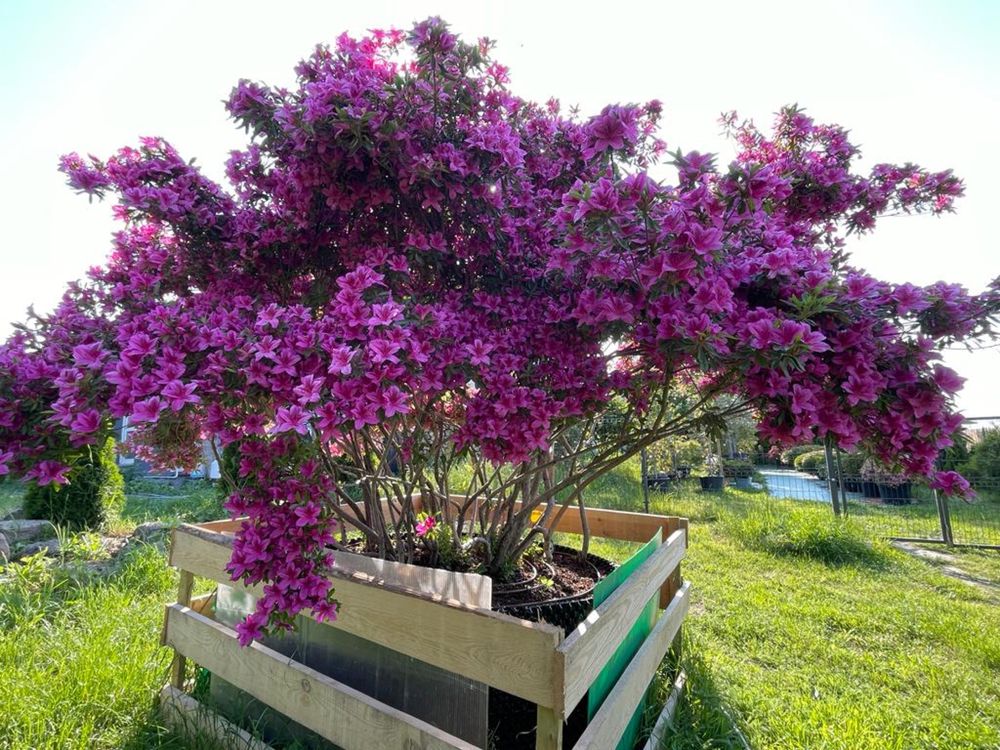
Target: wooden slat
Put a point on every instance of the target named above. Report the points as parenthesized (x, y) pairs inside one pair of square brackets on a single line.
[(588, 648), (468, 588), (674, 580), (178, 666), (225, 526), (607, 726), (548, 729), (615, 524), (611, 524), (516, 656), (335, 711), (193, 720), (200, 603), (229, 526), (665, 720)]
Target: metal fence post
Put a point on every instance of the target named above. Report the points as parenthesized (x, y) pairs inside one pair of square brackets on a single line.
[(945, 516), (645, 480), (831, 482), (840, 484)]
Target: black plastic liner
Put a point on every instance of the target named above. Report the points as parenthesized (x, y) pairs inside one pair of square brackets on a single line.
[(513, 720)]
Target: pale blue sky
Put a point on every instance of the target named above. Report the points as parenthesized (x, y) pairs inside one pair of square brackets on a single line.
[(914, 81)]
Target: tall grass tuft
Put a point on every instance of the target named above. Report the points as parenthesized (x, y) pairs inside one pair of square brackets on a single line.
[(804, 532)]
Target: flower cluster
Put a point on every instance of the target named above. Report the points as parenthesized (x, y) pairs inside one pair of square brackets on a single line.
[(412, 264)]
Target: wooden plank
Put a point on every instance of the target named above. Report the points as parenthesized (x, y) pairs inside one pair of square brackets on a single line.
[(467, 588), (673, 582), (193, 721), (588, 648), (230, 526), (225, 526), (607, 726), (548, 730), (335, 711), (178, 666), (614, 524), (665, 720), (507, 653), (201, 603), (611, 524)]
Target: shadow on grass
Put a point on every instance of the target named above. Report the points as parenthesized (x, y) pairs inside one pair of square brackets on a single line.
[(702, 719)]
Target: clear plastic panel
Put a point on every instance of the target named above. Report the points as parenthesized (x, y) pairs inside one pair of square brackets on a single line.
[(455, 704)]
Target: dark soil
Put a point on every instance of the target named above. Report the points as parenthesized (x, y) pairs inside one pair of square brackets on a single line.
[(566, 576), (535, 579)]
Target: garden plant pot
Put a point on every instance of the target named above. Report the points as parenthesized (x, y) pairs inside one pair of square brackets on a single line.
[(869, 488), (660, 481), (852, 484), (742, 483), (712, 484), (895, 494)]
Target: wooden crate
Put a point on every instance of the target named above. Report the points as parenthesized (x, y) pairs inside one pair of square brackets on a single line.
[(533, 661)]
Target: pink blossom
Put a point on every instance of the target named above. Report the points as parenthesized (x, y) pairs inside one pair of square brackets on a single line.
[(292, 418), (393, 401), (952, 483), (178, 394), (425, 526), (147, 410), (479, 352), (383, 350), (308, 390), (307, 515), (340, 360), (89, 355), (86, 422), (947, 379), (48, 472)]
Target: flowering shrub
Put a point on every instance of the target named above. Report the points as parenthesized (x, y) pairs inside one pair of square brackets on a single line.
[(414, 268)]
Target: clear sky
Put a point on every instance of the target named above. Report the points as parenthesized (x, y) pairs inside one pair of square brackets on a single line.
[(914, 81)]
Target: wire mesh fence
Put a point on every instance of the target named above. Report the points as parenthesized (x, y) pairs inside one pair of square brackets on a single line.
[(884, 506)]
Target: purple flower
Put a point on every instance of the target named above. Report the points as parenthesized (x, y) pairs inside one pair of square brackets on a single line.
[(393, 401), (89, 355), (307, 515), (425, 526), (291, 419), (86, 422), (147, 410), (340, 360), (479, 352), (614, 128), (947, 379), (383, 350), (179, 394), (952, 483), (49, 472)]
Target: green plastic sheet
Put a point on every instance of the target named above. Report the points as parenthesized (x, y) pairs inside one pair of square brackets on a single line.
[(623, 655)]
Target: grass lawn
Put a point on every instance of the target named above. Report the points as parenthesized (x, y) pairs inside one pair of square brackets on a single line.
[(80, 652), (810, 638), (801, 635)]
